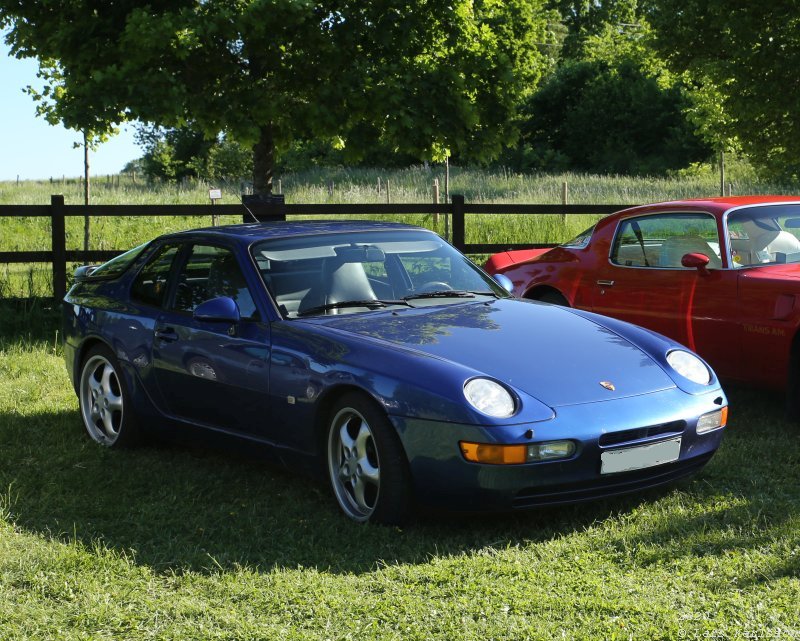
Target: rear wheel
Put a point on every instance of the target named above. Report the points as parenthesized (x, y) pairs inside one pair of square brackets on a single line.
[(366, 464), (104, 400)]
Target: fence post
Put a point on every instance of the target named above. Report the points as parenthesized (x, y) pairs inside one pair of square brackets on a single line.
[(59, 246), (436, 199), (459, 241)]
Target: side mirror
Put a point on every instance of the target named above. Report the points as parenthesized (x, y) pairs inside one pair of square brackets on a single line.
[(219, 310), (504, 282), (697, 261)]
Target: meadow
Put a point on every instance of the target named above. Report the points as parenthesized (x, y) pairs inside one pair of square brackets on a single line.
[(172, 541)]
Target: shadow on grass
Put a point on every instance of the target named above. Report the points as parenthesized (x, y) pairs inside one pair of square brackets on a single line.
[(180, 508)]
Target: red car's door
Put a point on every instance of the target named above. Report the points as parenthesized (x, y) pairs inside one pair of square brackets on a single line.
[(643, 282)]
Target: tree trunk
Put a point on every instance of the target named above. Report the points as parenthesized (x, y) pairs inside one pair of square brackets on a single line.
[(263, 162)]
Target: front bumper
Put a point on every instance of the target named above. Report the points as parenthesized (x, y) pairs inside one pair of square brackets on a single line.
[(442, 477)]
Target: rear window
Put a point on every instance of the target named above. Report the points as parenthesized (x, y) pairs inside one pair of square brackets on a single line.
[(116, 266), (581, 240)]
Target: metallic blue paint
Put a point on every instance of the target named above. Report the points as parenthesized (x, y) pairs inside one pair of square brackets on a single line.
[(269, 380)]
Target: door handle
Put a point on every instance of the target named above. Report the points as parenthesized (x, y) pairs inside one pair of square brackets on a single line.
[(166, 334), (605, 283)]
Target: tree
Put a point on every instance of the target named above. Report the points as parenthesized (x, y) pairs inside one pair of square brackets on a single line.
[(618, 110), (746, 57), (584, 19), (429, 76), (173, 154)]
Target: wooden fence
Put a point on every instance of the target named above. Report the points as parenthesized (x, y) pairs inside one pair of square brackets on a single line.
[(58, 255)]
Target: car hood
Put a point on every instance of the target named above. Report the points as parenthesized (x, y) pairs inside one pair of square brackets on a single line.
[(548, 352)]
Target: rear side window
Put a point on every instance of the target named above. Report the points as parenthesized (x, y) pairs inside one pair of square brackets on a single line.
[(150, 285)]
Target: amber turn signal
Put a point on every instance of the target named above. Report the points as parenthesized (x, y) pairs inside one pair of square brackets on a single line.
[(494, 454)]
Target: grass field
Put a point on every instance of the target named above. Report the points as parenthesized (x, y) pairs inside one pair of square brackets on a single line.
[(189, 542), (177, 542)]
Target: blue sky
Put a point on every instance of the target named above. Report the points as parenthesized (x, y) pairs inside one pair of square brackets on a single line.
[(32, 149)]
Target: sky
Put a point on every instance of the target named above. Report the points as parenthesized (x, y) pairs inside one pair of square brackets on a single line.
[(33, 149)]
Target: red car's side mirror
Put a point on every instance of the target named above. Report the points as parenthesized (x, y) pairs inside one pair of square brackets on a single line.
[(698, 261)]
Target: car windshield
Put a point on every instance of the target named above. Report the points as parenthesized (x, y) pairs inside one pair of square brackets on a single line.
[(340, 273), (764, 235)]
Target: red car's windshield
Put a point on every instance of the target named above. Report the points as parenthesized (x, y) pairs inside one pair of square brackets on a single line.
[(764, 235)]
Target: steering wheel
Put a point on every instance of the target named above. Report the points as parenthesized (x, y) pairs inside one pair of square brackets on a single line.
[(433, 286)]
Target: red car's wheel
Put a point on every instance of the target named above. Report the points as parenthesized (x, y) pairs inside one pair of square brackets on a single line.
[(552, 297)]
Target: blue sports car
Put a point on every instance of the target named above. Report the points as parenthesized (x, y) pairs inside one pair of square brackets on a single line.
[(385, 358)]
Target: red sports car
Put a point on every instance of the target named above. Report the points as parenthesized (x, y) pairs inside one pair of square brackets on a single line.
[(721, 276)]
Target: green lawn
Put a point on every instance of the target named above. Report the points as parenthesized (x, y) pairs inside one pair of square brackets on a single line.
[(181, 542)]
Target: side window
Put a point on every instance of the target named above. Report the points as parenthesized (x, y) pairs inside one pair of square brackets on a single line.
[(211, 272), (150, 286), (663, 240)]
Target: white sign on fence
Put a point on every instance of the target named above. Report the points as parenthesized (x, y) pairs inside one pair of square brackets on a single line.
[(215, 194)]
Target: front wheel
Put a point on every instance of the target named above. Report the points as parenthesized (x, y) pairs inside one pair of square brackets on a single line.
[(366, 463), (104, 400)]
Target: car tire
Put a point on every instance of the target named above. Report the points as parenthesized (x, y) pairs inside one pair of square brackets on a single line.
[(366, 464), (104, 400), (552, 297)]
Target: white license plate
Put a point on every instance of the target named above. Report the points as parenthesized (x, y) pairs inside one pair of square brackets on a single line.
[(636, 458)]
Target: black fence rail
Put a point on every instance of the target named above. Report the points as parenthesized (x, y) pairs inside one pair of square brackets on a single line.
[(58, 255)]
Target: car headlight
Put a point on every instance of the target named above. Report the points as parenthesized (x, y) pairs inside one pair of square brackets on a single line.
[(489, 397), (689, 366)]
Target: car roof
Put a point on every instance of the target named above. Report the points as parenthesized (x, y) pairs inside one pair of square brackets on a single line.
[(251, 232), (717, 206)]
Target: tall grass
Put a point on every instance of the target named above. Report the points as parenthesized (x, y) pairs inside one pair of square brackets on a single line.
[(348, 185)]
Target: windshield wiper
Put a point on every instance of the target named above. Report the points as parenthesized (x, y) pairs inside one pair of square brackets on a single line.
[(371, 303), (452, 293), (442, 293)]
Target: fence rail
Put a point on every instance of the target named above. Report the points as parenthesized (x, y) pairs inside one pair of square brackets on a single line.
[(57, 212)]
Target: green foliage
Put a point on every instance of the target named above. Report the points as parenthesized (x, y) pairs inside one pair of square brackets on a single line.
[(186, 152), (615, 117), (745, 56), (429, 76), (229, 160), (587, 19), (173, 154)]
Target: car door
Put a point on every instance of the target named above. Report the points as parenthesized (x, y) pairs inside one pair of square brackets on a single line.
[(213, 373), (644, 282)]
